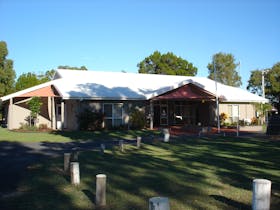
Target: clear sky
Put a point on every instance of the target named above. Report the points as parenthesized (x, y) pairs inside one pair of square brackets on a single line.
[(112, 35)]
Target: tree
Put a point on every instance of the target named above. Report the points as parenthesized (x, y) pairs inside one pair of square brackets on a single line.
[(255, 82), (83, 68), (168, 63), (47, 76), (225, 67), (7, 73), (27, 80), (272, 89), (271, 84), (34, 105)]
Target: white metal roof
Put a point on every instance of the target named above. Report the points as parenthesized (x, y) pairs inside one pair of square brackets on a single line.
[(74, 84)]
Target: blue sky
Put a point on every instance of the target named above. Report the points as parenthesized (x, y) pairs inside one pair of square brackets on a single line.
[(116, 35)]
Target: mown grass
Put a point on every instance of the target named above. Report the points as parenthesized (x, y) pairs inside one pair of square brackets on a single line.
[(206, 173), (68, 136)]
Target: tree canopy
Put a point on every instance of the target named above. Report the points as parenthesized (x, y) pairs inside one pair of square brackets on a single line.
[(34, 105), (271, 83), (83, 68), (225, 67), (168, 63), (7, 73), (27, 80)]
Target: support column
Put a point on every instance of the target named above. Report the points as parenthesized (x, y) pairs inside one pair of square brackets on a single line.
[(151, 115), (53, 114), (10, 114), (62, 115), (50, 112)]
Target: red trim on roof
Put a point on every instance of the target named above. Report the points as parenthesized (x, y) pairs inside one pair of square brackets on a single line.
[(187, 92), (41, 92)]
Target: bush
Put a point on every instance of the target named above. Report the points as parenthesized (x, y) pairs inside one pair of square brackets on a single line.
[(43, 126), (137, 119), (27, 127), (223, 117), (89, 120), (254, 121)]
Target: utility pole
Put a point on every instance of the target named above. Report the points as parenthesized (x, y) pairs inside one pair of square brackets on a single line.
[(264, 71), (217, 99), (263, 93)]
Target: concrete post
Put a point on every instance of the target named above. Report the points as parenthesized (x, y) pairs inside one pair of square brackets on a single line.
[(166, 135), (138, 141), (102, 148), (121, 144), (100, 198), (67, 157), (159, 203), (261, 194), (75, 173)]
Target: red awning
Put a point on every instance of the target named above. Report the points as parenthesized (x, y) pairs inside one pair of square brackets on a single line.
[(41, 92), (187, 92)]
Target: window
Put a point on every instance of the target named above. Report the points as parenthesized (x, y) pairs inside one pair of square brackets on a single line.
[(113, 114), (233, 113)]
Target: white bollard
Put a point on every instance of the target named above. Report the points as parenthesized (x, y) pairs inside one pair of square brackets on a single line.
[(138, 141), (102, 148), (159, 203), (261, 194), (166, 135), (67, 157), (100, 197), (121, 144), (75, 173)]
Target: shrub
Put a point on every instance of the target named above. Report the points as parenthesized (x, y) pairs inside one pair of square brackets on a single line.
[(34, 105), (223, 117), (43, 126), (254, 121), (137, 119), (27, 127), (89, 120)]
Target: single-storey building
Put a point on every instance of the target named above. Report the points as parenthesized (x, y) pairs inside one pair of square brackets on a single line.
[(165, 99)]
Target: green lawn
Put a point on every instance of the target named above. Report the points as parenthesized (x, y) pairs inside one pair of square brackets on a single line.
[(67, 136), (206, 173)]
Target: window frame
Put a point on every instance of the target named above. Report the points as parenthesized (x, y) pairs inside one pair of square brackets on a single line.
[(114, 115)]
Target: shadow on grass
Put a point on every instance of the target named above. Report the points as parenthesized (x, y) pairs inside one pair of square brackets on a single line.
[(192, 172), (106, 135), (237, 160), (231, 203), (30, 180)]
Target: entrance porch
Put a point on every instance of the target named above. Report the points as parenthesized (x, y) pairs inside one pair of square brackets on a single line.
[(188, 105), (167, 113)]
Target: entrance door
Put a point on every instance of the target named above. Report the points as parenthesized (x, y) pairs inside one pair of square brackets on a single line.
[(156, 115), (58, 117), (163, 115), (160, 114)]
